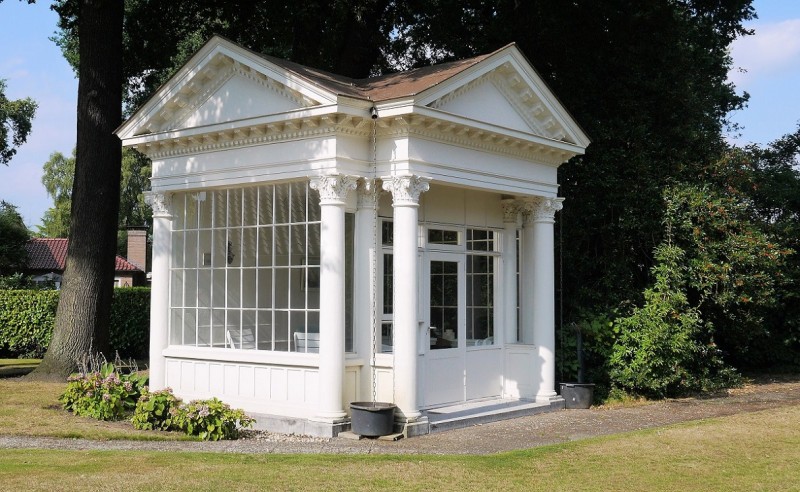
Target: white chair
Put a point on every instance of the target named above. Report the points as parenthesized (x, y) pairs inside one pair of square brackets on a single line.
[(306, 342)]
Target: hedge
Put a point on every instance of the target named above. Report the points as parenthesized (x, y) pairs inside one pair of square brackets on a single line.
[(27, 318)]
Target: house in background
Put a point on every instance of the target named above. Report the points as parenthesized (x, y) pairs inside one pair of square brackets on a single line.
[(47, 258), (320, 240)]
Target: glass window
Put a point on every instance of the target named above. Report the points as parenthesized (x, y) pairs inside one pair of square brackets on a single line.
[(443, 236), (480, 287), (245, 267)]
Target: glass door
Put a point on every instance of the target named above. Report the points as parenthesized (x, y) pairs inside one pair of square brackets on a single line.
[(445, 364)]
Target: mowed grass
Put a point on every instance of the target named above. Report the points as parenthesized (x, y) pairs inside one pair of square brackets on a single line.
[(755, 451), (29, 408)]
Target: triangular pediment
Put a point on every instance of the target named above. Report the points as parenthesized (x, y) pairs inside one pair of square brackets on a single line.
[(222, 83), (240, 93), (504, 90)]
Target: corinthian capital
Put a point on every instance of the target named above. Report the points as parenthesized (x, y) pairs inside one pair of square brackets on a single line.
[(160, 202), (406, 189), (333, 188), (540, 209)]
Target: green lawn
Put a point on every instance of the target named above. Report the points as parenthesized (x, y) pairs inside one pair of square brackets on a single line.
[(755, 451)]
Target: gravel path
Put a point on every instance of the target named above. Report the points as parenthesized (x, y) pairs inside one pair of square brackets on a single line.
[(520, 433)]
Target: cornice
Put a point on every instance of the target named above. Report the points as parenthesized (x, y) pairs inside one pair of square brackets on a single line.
[(472, 138), (259, 134)]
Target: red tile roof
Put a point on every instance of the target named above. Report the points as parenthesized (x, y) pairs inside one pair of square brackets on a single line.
[(51, 254)]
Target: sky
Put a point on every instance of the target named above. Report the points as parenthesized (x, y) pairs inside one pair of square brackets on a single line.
[(766, 65)]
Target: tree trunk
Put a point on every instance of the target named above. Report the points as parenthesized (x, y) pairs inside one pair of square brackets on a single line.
[(83, 316)]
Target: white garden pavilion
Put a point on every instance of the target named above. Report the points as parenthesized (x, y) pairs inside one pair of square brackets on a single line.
[(307, 255)]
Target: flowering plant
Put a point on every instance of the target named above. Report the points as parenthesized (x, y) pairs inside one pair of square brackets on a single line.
[(103, 394), (154, 411), (210, 420)]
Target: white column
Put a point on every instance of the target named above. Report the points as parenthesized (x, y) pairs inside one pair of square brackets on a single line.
[(159, 288), (405, 193), (333, 193), (510, 216), (366, 312), (541, 250)]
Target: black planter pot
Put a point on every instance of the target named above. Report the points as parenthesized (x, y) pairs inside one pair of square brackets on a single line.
[(372, 419), (577, 395)]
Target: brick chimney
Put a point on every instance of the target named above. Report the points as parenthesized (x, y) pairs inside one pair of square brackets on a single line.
[(137, 247)]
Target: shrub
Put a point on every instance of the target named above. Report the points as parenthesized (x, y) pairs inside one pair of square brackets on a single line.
[(103, 394), (27, 318), (26, 321), (665, 348), (155, 411), (130, 322), (210, 420)]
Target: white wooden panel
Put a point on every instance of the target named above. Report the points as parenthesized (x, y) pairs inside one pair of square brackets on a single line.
[(519, 376), (174, 374), (483, 209), (311, 387), (484, 373), (215, 378), (278, 384), (444, 380), (384, 384), (351, 392), (246, 381), (295, 384), (201, 380), (231, 380), (262, 383), (187, 375)]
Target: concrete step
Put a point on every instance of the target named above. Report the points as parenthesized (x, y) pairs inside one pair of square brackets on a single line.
[(484, 412)]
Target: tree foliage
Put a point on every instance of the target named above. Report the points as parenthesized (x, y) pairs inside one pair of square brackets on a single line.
[(13, 237), (57, 177), (15, 123), (665, 348)]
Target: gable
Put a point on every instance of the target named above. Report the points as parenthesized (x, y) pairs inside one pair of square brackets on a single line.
[(221, 83), (483, 101), (504, 90), (239, 97)]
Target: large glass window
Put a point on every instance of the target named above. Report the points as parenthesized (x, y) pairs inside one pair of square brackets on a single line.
[(481, 245), (245, 269)]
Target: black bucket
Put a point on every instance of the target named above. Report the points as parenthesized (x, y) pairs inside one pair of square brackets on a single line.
[(372, 419), (577, 395)]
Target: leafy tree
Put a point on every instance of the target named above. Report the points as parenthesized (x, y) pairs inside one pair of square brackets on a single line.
[(13, 237), (15, 123), (57, 177), (665, 348), (83, 316)]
